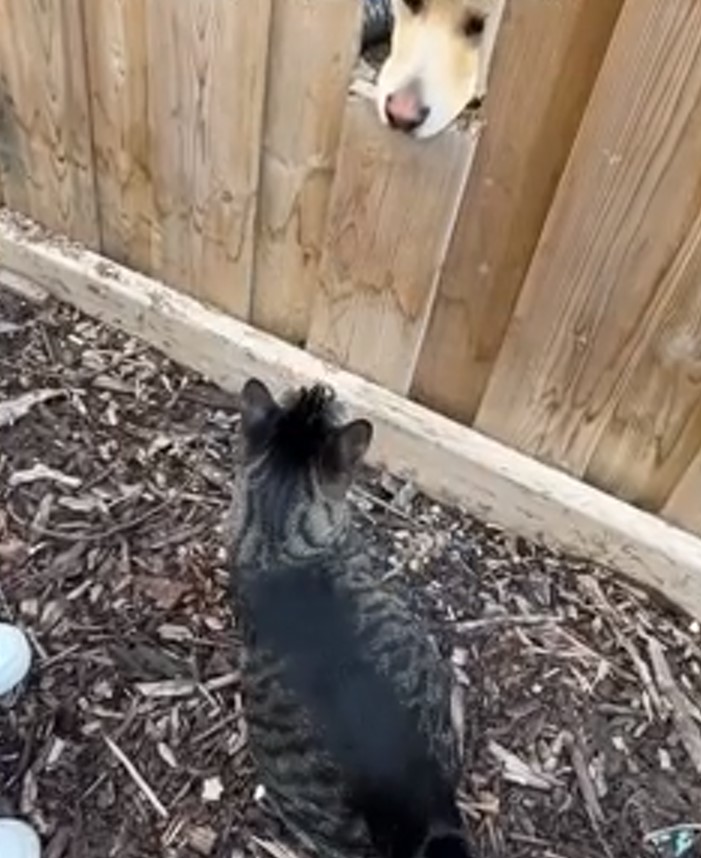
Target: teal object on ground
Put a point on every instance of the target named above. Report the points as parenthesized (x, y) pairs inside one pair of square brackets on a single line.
[(676, 842)]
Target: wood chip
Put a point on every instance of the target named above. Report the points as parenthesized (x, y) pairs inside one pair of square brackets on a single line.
[(593, 588), (58, 746), (166, 754), (43, 472), (138, 779), (175, 633), (9, 328), (519, 772), (501, 620), (11, 410), (584, 779), (165, 592), (274, 848), (679, 704), (202, 839), (169, 688), (457, 716)]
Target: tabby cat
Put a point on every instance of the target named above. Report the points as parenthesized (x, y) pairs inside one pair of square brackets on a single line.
[(346, 697)]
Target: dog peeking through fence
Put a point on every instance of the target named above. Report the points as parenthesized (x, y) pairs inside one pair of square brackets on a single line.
[(437, 64)]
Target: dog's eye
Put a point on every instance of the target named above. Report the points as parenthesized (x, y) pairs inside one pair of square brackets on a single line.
[(415, 5), (474, 25)]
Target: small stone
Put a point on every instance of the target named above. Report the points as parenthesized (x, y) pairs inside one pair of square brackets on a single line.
[(212, 789), (57, 748), (665, 760), (202, 839), (102, 690), (619, 744), (166, 754), (106, 797), (29, 608), (214, 624)]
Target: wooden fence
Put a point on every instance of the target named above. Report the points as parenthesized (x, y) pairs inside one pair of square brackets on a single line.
[(537, 276)]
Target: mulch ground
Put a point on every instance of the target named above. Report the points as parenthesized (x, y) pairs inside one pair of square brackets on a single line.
[(580, 693)]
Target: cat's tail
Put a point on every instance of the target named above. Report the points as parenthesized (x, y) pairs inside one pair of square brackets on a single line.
[(445, 843)]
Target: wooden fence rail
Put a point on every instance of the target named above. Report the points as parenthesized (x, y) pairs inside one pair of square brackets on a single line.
[(535, 274)]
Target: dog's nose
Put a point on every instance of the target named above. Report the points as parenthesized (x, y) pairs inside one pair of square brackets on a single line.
[(405, 110)]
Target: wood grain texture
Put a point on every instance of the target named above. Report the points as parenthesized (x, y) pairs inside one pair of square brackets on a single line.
[(178, 92), (593, 298), (313, 48), (392, 209), (655, 430), (46, 165), (684, 506), (546, 64), (445, 459), (116, 38)]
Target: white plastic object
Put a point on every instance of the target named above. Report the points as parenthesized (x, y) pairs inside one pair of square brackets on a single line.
[(15, 659), (18, 840)]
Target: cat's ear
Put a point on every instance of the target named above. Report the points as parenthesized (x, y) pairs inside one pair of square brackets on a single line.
[(343, 453), (258, 411)]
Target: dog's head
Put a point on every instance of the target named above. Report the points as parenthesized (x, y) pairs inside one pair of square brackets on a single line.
[(437, 64)]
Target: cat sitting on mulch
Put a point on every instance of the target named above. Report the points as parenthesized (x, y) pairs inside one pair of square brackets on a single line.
[(346, 698)]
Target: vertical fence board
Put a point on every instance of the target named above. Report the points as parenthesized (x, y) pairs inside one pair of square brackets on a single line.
[(208, 70), (313, 48), (119, 92), (178, 91), (684, 505), (46, 166), (655, 430), (392, 210), (590, 306), (383, 251), (544, 70)]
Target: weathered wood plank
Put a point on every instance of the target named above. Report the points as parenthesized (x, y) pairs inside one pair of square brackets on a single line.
[(116, 38), (392, 209), (313, 48), (655, 430), (445, 459), (546, 64), (684, 505), (46, 165), (591, 304), (178, 92)]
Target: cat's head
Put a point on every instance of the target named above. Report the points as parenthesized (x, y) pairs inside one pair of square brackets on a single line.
[(300, 460)]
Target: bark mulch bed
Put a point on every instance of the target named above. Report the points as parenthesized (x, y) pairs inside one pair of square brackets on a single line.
[(582, 695)]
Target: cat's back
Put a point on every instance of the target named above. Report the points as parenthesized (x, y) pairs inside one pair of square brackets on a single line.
[(339, 666)]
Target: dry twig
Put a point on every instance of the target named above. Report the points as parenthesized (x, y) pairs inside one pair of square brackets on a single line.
[(138, 779), (680, 707), (519, 772)]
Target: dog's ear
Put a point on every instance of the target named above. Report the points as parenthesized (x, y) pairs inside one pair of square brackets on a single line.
[(342, 454), (258, 412)]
